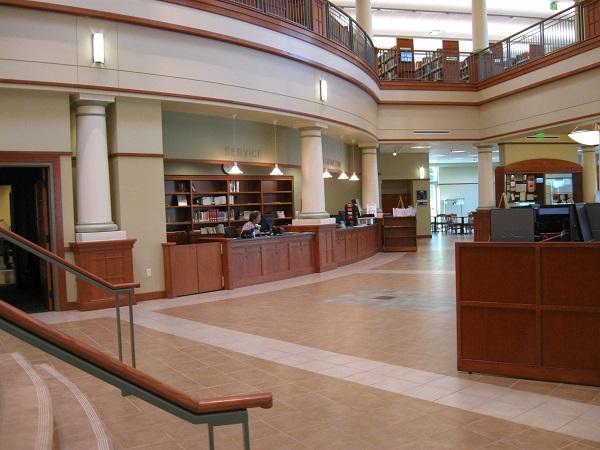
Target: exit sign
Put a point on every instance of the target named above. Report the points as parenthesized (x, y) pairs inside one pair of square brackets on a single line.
[(540, 135), (554, 6)]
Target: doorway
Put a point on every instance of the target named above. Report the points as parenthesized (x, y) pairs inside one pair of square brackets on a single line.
[(25, 280)]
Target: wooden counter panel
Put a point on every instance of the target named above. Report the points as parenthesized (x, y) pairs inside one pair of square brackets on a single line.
[(548, 333), (502, 335), (185, 275), (570, 276), (497, 274), (571, 339)]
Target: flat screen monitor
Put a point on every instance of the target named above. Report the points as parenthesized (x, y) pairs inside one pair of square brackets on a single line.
[(553, 219), (406, 56), (583, 225), (593, 215), (512, 225), (266, 224), (341, 217)]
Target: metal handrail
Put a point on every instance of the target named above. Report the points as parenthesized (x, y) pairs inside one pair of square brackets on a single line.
[(95, 280), (355, 38)]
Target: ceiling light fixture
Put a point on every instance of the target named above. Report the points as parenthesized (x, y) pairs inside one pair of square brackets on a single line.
[(276, 171), (457, 151), (235, 170), (353, 177), (435, 32), (421, 146), (586, 137)]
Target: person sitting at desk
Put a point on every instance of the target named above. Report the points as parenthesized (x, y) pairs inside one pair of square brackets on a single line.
[(251, 228)]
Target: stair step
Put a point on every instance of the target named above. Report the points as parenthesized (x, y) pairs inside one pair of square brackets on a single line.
[(25, 406), (77, 425)]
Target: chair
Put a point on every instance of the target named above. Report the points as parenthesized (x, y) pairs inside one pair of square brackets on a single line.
[(470, 225), (452, 224), (231, 232), (442, 222)]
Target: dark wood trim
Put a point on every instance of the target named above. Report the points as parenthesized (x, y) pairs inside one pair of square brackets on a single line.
[(185, 96), (545, 165), (426, 86), (257, 19), (134, 376), (424, 236), (134, 155), (145, 296), (53, 160)]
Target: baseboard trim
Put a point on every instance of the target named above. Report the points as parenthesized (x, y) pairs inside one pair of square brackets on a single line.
[(424, 236), (145, 296)]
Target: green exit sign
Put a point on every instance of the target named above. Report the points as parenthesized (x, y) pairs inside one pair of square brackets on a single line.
[(539, 136), (554, 6)]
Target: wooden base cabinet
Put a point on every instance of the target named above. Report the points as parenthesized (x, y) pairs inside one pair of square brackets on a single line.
[(192, 268), (400, 234), (529, 310)]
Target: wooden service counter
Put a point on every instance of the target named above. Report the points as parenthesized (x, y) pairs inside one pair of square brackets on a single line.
[(529, 310), (264, 259)]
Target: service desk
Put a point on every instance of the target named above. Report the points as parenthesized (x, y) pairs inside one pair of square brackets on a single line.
[(529, 310), (264, 259)]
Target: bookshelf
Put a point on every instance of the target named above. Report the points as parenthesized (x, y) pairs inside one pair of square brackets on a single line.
[(400, 234), (208, 204), (440, 65)]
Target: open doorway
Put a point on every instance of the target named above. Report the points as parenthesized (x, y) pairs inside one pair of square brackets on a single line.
[(25, 280)]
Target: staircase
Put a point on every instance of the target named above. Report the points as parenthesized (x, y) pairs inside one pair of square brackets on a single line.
[(39, 408)]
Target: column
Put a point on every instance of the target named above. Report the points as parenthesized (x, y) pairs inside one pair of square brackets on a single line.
[(479, 25), (485, 171), (370, 176), (94, 215), (590, 173), (313, 188), (363, 16)]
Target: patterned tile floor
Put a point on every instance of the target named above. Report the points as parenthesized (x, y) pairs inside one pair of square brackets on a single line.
[(361, 357)]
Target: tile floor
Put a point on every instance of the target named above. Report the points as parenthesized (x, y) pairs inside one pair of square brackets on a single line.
[(361, 357)]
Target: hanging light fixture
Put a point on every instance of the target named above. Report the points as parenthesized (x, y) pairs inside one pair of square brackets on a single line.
[(353, 177), (276, 170), (235, 170), (326, 173), (586, 137)]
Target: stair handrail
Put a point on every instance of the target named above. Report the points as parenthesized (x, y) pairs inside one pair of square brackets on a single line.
[(116, 289), (212, 411)]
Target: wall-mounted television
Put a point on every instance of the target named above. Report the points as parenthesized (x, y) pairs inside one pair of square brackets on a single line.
[(406, 56)]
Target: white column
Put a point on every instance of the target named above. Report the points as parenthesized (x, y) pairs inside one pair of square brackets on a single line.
[(313, 188), (370, 176), (94, 215), (479, 25), (485, 172), (363, 16), (590, 174)]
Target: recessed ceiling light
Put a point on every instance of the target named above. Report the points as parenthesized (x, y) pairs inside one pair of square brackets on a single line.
[(421, 146), (495, 151), (394, 153), (435, 32), (457, 151)]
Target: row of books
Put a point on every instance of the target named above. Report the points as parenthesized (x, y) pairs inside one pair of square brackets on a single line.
[(218, 229), (216, 200), (210, 215), (234, 186)]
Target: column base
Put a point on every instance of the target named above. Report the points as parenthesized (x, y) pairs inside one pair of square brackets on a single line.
[(101, 236), (302, 221), (95, 227)]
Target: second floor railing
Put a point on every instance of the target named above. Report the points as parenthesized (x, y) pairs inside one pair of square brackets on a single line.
[(323, 18)]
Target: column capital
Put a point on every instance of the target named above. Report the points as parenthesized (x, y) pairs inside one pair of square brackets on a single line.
[(589, 148), (369, 148), (92, 99), (484, 147)]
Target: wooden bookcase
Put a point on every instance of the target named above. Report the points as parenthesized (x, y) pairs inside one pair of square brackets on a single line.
[(207, 204), (400, 234)]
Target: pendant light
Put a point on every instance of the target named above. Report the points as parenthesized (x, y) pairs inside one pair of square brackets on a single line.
[(326, 173), (586, 137), (353, 177), (276, 170), (235, 170), (343, 175)]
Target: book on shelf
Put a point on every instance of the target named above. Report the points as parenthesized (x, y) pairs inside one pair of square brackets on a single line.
[(218, 229), (182, 200)]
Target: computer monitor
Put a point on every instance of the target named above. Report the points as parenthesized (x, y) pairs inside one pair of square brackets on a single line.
[(406, 56), (553, 219), (584, 232), (341, 217), (512, 225), (593, 215), (266, 223)]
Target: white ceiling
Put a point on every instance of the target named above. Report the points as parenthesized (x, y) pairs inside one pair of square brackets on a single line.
[(419, 18)]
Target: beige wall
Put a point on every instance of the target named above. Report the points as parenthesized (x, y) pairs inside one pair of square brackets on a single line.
[(5, 206), (137, 185), (34, 121), (340, 192), (511, 153)]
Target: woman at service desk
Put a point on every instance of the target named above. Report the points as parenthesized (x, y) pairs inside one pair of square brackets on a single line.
[(252, 227)]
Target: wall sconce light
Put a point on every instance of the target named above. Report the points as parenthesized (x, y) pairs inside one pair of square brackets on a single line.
[(98, 48), (421, 172), (323, 90)]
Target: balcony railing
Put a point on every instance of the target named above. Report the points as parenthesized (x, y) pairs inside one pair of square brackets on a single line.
[(323, 18), (423, 65), (562, 30)]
